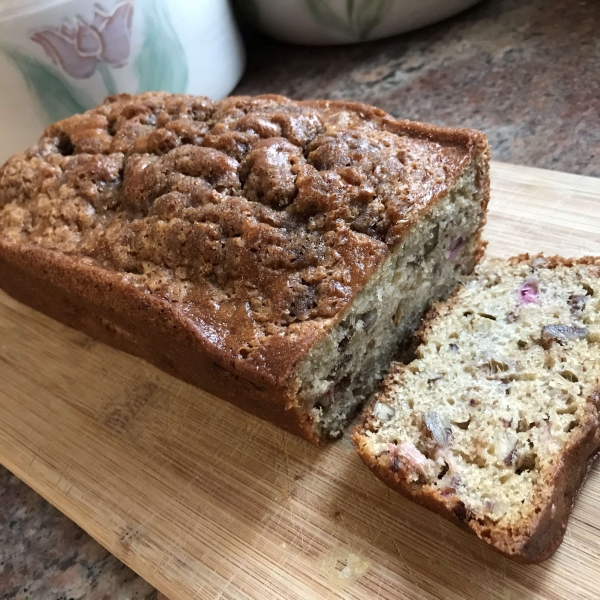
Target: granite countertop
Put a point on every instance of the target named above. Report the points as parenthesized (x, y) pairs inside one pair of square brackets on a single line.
[(526, 72)]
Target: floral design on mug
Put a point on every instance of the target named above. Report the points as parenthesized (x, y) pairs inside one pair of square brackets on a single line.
[(81, 49), (359, 17)]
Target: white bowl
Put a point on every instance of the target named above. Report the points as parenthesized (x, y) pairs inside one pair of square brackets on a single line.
[(59, 57), (325, 22)]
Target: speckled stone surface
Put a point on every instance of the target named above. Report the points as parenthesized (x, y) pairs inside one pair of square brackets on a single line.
[(526, 72), (45, 556)]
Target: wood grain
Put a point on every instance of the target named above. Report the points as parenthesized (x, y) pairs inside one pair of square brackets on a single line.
[(205, 501)]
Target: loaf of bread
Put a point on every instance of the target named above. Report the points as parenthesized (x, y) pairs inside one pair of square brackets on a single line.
[(272, 252), (494, 425)]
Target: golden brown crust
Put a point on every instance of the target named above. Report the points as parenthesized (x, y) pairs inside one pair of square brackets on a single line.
[(252, 222), (100, 304), (545, 533)]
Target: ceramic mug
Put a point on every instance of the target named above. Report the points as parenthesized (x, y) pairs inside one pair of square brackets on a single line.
[(345, 21), (59, 57)]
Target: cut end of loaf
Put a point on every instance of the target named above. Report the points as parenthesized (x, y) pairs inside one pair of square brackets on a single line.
[(344, 368), (495, 422)]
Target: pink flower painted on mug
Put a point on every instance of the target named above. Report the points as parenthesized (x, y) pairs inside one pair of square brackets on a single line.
[(79, 49)]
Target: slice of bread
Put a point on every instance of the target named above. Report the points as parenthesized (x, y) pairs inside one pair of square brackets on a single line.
[(495, 424)]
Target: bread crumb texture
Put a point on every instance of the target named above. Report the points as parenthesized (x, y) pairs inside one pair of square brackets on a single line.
[(262, 217), (504, 389)]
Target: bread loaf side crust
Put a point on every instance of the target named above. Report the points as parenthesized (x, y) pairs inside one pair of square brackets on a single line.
[(100, 304), (546, 531)]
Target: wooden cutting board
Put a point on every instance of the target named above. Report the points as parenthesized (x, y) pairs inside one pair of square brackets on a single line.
[(205, 501)]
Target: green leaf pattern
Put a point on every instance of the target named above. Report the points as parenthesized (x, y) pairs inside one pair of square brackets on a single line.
[(57, 96), (325, 15), (361, 16), (160, 65)]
